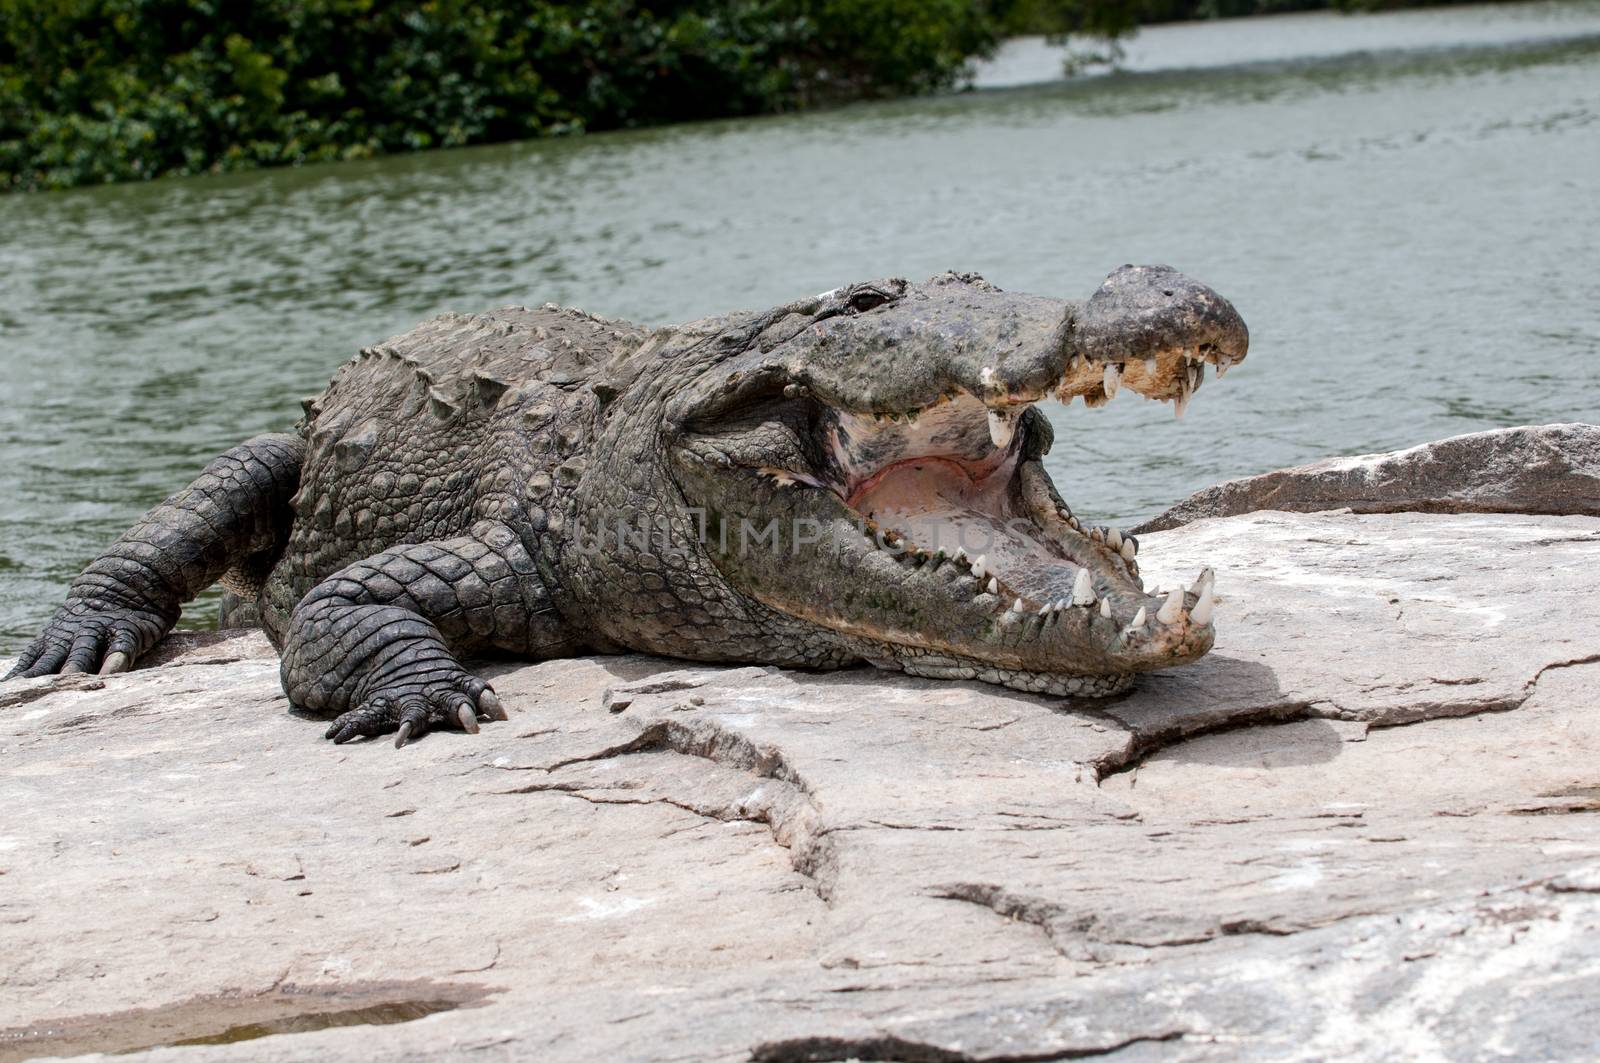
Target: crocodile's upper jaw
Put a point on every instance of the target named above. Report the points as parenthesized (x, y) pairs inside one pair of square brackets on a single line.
[(940, 545)]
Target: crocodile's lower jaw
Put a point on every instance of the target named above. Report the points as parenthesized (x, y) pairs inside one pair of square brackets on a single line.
[(1069, 614)]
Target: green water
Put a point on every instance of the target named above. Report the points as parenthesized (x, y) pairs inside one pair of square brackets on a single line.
[(1412, 239)]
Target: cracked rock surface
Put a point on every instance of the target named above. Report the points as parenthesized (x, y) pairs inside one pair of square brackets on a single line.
[(1367, 825)]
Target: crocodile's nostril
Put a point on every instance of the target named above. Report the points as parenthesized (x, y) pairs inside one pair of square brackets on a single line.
[(1167, 292)]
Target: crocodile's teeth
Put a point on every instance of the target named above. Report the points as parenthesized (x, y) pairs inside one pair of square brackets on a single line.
[(1083, 589), (1172, 609), (994, 586), (1129, 549), (1181, 403), (1072, 522), (1114, 538), (1224, 363), (1138, 618), (1207, 577), (1112, 380), (978, 567), (1197, 375), (1016, 606), (1001, 428), (1105, 608), (1201, 613)]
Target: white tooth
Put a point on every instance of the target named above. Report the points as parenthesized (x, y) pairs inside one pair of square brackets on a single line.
[(1138, 618), (1151, 365), (1073, 522), (1201, 613), (1206, 578), (1097, 534), (1016, 606), (1113, 380), (994, 586), (1128, 550), (1197, 375), (1180, 403), (1105, 607), (1114, 538), (1083, 589), (1224, 363), (1000, 428), (1172, 609), (978, 569), (960, 554), (1044, 610)]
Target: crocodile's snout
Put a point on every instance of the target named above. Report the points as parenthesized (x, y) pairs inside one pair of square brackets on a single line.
[(1143, 308)]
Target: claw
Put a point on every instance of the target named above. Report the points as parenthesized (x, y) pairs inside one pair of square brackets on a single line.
[(403, 735), (116, 661), (489, 705), (468, 717)]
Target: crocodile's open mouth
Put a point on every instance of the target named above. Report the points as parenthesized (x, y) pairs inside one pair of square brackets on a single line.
[(961, 478), (899, 460), (941, 535), (960, 482)]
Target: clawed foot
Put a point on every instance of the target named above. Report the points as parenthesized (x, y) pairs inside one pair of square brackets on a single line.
[(86, 636), (413, 711)]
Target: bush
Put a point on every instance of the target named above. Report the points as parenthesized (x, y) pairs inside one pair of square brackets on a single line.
[(115, 90), (108, 90)]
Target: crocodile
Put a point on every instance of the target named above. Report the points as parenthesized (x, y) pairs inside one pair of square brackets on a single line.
[(849, 478)]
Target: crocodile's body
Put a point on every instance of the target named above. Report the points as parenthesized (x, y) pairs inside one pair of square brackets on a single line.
[(851, 477)]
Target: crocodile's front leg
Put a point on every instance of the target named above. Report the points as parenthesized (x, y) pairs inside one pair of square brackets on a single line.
[(378, 641), (229, 524)]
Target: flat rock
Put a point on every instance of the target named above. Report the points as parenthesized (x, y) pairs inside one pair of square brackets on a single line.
[(1363, 827), (1551, 468)]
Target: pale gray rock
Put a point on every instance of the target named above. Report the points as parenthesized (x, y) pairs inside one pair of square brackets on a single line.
[(1363, 827), (1550, 468)]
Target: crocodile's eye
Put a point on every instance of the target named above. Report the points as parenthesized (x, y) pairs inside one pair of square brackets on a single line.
[(867, 299)]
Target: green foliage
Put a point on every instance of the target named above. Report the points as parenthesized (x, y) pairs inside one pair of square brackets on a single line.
[(114, 90), (108, 90)]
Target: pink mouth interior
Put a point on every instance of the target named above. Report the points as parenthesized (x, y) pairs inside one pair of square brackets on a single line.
[(938, 504)]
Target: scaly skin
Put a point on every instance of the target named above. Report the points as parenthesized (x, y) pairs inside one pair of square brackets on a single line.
[(848, 478)]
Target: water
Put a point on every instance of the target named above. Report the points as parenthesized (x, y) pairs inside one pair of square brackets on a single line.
[(1299, 37), (1411, 238)]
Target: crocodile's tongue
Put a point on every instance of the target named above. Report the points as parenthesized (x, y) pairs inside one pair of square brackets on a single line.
[(937, 505)]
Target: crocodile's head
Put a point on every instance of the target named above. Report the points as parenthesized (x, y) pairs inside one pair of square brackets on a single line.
[(870, 465)]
